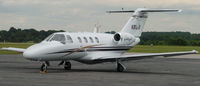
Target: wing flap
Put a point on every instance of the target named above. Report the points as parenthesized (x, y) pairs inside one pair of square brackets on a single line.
[(144, 56), (21, 50)]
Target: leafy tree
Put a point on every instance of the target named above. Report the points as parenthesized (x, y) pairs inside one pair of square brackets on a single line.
[(26, 35)]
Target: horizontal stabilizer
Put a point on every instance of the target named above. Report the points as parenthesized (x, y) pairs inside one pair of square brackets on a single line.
[(128, 11), (145, 10), (160, 10)]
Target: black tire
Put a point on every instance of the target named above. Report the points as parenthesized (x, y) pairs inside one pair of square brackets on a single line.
[(43, 68), (120, 68), (67, 66)]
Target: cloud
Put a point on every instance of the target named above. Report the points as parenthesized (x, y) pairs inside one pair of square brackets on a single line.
[(79, 15)]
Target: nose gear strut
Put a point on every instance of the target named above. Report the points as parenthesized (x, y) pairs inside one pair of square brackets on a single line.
[(43, 68)]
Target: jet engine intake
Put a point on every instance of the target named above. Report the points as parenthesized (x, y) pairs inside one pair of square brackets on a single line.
[(123, 38)]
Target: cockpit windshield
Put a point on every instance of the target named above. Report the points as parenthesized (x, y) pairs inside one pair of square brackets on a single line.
[(47, 39), (58, 37)]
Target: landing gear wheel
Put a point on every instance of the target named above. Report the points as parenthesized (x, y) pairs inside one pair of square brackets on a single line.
[(43, 68), (67, 66), (120, 68)]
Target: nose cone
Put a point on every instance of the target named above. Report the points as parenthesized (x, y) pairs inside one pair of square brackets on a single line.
[(33, 52), (43, 51), (28, 54)]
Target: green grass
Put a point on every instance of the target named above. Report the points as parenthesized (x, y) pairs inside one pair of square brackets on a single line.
[(138, 48)]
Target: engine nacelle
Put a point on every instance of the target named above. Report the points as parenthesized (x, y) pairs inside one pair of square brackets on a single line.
[(124, 38)]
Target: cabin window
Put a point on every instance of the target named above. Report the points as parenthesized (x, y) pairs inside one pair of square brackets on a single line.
[(86, 41), (58, 37), (96, 39), (91, 40), (69, 39), (79, 39)]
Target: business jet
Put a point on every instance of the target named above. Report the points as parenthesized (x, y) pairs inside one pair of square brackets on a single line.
[(94, 47)]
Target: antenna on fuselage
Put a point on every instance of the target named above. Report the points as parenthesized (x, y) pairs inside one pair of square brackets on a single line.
[(97, 28)]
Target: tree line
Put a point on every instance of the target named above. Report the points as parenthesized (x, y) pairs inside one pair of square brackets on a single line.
[(170, 38), (26, 35), (147, 38)]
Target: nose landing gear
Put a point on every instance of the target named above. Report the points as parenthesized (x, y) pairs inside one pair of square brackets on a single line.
[(43, 68)]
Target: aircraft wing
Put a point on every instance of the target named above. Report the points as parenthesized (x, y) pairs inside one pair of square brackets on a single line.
[(143, 56), (21, 50)]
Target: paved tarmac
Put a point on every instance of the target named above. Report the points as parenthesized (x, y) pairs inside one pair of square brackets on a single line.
[(175, 71)]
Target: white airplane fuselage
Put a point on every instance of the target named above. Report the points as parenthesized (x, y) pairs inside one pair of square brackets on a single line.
[(83, 47)]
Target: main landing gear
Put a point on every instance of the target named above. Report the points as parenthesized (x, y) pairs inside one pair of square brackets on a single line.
[(67, 65), (120, 66)]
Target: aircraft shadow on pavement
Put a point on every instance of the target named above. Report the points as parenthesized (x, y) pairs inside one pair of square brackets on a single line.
[(59, 70), (56, 70)]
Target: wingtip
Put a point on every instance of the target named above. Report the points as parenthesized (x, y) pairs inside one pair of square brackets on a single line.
[(2, 48), (180, 10), (195, 51), (108, 12)]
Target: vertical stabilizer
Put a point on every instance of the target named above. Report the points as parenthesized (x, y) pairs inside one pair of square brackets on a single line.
[(135, 24)]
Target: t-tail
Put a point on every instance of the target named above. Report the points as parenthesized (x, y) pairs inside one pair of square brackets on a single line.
[(135, 24)]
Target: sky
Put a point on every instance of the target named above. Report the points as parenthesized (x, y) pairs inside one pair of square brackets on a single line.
[(82, 15)]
